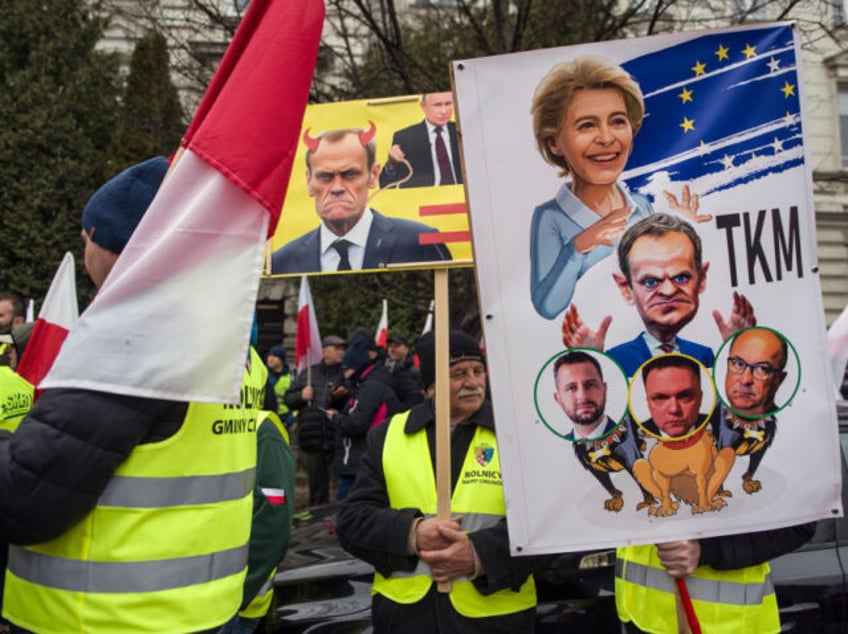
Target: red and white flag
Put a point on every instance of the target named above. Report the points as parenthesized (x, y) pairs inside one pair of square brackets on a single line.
[(58, 314), (428, 324), (383, 326), (307, 340), (274, 496), (173, 318)]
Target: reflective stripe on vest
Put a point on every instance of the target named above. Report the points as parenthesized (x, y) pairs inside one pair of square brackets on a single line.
[(411, 484), (261, 603), (709, 590), (165, 549), (740, 600), (157, 492), (120, 576)]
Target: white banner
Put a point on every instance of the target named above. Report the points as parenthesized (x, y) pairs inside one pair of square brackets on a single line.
[(729, 429)]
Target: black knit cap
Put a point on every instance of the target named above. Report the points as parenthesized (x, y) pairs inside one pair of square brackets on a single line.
[(357, 355), (462, 348)]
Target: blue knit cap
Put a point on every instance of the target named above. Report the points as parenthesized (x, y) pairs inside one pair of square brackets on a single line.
[(357, 355), (114, 211)]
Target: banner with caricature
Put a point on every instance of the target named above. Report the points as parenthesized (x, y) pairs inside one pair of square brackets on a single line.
[(377, 185), (643, 229)]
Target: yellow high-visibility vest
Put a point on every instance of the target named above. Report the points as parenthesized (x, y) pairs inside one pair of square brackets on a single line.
[(261, 603), (165, 549), (724, 600), (16, 394), (478, 497)]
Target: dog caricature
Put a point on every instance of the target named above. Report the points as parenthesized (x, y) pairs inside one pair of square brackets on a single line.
[(746, 424), (683, 462), (602, 445)]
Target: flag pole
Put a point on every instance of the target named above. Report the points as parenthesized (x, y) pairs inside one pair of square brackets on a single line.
[(308, 366), (687, 620), (443, 450)]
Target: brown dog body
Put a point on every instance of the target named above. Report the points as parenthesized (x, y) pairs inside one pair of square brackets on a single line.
[(686, 469)]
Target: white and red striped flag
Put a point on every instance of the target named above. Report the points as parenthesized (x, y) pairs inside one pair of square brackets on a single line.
[(58, 314), (173, 318), (307, 340), (428, 324), (383, 326)]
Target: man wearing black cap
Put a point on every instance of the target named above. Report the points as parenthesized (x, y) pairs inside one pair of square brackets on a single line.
[(389, 517), (106, 483), (372, 401), (280, 379), (407, 377), (311, 394)]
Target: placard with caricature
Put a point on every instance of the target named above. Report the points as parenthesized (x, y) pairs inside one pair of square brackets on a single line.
[(643, 230), (382, 178)]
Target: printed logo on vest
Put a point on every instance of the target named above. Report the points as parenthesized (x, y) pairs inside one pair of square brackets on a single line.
[(484, 454)]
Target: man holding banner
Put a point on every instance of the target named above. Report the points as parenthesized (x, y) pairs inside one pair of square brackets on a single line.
[(389, 517)]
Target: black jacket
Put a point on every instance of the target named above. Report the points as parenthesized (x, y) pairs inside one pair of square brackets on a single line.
[(59, 461), (373, 531), (407, 383), (374, 401), (315, 433), (729, 552)]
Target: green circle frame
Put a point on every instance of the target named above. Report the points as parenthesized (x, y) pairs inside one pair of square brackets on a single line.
[(536, 392), (791, 347)]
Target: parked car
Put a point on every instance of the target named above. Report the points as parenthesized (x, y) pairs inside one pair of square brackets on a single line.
[(322, 589)]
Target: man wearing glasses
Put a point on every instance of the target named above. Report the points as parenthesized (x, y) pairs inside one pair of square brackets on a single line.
[(747, 422)]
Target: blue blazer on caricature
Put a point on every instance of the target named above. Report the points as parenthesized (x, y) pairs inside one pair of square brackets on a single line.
[(631, 354), (390, 241)]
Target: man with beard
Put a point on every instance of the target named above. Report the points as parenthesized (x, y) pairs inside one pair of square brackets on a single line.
[(12, 314), (601, 446)]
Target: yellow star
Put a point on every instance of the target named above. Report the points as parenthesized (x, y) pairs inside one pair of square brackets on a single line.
[(788, 90), (722, 52), (685, 96), (749, 51), (699, 68), (688, 125)]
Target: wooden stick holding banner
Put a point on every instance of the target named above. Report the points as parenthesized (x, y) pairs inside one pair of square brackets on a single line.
[(443, 450)]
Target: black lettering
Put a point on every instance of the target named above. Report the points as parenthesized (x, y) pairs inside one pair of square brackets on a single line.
[(728, 222), (783, 247), (234, 426), (754, 248)]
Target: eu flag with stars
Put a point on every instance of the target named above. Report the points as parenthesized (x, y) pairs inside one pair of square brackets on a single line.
[(722, 109)]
